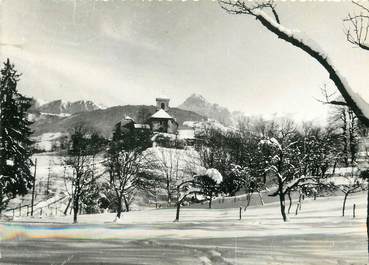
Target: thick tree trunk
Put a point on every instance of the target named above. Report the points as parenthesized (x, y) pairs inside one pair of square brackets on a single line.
[(344, 204), (283, 206), (75, 211), (119, 208), (282, 200), (177, 212)]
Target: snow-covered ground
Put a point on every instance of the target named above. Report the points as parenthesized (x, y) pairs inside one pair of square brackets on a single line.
[(48, 141), (317, 235)]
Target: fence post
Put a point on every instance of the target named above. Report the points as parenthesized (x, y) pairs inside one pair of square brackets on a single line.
[(33, 187), (353, 211), (240, 212)]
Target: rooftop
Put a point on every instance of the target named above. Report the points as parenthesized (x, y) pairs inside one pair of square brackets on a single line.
[(161, 114)]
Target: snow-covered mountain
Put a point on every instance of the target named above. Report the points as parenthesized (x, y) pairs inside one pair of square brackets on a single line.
[(65, 107), (197, 103)]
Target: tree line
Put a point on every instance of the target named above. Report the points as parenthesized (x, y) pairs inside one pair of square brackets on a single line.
[(277, 155), (256, 155)]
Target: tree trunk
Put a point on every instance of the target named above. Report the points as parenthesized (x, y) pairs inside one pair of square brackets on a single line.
[(344, 204), (75, 210), (169, 200), (248, 200), (334, 167), (261, 198), (119, 208), (126, 203), (297, 208), (210, 200), (290, 202), (282, 200), (177, 212), (283, 206)]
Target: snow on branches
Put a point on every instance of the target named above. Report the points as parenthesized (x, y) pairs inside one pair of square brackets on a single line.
[(257, 10)]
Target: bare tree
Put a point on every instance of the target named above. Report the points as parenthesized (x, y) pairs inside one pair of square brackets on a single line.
[(84, 146), (124, 160), (248, 181), (351, 184), (167, 164), (208, 184), (281, 154), (179, 171)]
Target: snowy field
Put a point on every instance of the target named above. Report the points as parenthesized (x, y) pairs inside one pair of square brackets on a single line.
[(317, 235)]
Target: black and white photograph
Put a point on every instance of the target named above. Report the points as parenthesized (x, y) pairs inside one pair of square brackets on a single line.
[(184, 132)]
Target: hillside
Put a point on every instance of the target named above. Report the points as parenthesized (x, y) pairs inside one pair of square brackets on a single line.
[(103, 120)]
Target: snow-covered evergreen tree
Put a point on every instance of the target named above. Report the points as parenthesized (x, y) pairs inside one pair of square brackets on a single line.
[(15, 143)]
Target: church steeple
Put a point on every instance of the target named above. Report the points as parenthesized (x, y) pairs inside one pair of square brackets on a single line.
[(162, 102)]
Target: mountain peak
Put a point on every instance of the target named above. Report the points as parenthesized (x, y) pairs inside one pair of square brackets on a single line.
[(197, 96), (197, 103), (65, 107)]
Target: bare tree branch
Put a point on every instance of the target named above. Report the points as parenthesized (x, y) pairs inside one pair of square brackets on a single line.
[(240, 7), (357, 27)]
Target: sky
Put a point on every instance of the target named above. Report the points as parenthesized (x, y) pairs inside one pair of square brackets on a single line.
[(129, 52)]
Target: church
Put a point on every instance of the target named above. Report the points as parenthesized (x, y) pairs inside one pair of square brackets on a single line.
[(161, 121), (164, 127)]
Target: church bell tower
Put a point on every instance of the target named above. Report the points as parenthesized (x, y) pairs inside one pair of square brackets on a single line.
[(162, 103)]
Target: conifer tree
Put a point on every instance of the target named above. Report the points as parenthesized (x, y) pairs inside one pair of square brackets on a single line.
[(15, 143)]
